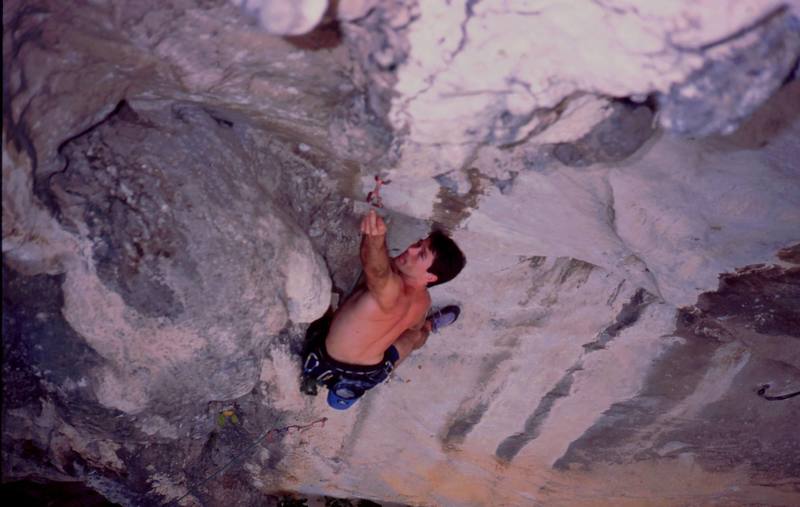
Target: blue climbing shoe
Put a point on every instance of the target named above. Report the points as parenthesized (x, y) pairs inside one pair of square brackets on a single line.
[(443, 317)]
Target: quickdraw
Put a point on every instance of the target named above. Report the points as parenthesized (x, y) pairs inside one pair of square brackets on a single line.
[(374, 197)]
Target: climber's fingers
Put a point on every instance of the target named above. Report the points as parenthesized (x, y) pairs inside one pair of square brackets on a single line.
[(373, 225)]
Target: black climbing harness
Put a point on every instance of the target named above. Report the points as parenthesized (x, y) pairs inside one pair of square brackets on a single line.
[(353, 381)]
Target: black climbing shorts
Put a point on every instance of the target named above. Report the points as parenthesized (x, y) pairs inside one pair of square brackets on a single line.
[(346, 383)]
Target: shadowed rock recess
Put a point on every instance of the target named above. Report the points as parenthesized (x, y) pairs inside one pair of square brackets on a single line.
[(180, 181)]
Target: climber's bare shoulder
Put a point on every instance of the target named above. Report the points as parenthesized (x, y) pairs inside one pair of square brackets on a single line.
[(362, 330)]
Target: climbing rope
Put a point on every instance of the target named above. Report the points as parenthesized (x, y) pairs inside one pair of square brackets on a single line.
[(763, 393), (269, 435)]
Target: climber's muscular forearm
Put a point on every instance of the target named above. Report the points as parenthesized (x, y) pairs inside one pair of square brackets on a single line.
[(382, 282), (374, 254)]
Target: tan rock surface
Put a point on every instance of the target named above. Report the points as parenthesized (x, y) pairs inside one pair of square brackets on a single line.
[(178, 203)]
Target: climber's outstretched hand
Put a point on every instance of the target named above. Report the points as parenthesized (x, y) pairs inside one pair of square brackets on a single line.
[(373, 225)]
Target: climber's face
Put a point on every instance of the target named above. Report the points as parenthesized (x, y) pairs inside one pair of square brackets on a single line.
[(416, 260)]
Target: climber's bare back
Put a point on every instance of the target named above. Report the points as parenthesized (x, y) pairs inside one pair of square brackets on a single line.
[(361, 331)]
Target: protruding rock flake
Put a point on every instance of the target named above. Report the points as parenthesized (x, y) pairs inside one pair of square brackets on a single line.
[(285, 18), (183, 185)]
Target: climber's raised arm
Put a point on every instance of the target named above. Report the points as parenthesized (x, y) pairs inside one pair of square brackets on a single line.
[(382, 282)]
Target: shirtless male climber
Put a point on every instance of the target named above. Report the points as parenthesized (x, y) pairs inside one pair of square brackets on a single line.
[(386, 316)]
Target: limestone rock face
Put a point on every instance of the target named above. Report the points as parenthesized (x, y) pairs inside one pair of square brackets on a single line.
[(505, 71), (180, 201), (184, 243), (739, 73)]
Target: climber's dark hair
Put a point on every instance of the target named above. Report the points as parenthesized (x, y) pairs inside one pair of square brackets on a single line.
[(448, 259)]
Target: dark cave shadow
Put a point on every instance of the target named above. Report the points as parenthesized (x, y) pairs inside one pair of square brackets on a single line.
[(61, 493), (316, 333), (326, 35)]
